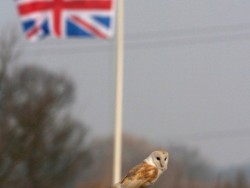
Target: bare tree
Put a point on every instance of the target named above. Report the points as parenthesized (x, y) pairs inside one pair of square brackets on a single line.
[(41, 145)]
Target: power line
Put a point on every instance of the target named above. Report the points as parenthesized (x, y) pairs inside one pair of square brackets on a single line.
[(217, 135), (165, 38), (148, 44), (192, 31), (178, 32)]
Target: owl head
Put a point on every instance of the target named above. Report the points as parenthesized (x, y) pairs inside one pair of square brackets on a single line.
[(159, 159)]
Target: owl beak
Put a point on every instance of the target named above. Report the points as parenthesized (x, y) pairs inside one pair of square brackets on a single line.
[(162, 165)]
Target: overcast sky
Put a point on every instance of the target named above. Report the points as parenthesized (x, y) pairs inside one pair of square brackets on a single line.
[(187, 74)]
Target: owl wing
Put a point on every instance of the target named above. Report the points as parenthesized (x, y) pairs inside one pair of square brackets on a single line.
[(140, 176)]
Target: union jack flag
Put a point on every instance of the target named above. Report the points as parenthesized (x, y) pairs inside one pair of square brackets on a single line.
[(67, 18)]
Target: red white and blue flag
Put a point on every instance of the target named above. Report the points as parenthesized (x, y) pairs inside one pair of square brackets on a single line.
[(67, 18)]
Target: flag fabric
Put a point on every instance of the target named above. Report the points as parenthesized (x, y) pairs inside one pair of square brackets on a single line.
[(67, 18)]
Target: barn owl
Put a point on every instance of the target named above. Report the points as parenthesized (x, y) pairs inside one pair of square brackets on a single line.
[(145, 173)]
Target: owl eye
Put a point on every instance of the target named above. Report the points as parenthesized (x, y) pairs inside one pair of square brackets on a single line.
[(165, 159), (158, 158)]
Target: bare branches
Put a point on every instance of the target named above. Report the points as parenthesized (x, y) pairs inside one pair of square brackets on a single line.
[(40, 144)]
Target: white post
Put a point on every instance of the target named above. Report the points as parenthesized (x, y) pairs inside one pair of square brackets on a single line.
[(119, 94)]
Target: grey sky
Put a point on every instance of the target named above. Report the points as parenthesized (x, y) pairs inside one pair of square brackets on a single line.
[(187, 74)]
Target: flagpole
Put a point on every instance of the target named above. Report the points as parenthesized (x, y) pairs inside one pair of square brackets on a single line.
[(119, 93)]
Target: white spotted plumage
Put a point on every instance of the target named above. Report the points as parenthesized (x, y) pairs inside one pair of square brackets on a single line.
[(145, 173)]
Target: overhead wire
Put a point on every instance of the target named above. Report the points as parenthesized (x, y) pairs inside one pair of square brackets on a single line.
[(155, 39), (217, 135)]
